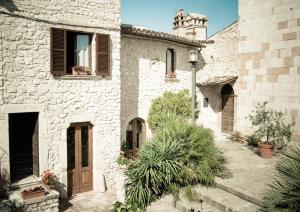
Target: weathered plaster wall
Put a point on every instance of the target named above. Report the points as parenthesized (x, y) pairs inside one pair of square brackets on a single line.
[(219, 59), (27, 85), (143, 68), (269, 65)]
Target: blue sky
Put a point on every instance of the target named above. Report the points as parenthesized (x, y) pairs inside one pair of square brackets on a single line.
[(158, 14)]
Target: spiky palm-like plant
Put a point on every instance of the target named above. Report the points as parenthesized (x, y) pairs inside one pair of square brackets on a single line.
[(179, 156), (285, 194)]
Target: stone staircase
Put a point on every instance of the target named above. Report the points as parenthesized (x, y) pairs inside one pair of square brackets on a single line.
[(210, 200)]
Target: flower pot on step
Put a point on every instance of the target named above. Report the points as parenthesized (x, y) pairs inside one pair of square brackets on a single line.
[(265, 150)]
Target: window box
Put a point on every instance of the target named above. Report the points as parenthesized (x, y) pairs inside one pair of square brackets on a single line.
[(80, 70), (35, 192), (170, 75)]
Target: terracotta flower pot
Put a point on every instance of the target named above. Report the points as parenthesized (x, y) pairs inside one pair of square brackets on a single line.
[(265, 150)]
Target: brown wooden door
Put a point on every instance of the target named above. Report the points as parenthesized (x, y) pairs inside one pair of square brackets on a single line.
[(227, 113), (79, 153)]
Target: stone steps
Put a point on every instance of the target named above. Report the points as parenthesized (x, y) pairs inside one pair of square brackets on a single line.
[(213, 200), (240, 193)]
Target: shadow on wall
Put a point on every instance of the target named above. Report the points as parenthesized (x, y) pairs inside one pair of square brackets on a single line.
[(201, 64), (130, 67), (213, 95), (9, 5)]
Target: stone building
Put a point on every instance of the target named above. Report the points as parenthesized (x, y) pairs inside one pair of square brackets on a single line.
[(151, 63), (51, 116), (192, 26), (258, 60), (75, 83)]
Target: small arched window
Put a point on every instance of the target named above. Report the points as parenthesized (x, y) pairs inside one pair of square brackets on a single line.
[(170, 63), (135, 137)]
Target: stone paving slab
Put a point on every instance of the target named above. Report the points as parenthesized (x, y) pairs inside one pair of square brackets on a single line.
[(90, 202), (252, 174)]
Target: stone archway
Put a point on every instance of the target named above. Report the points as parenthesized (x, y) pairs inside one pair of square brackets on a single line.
[(135, 137), (227, 98)]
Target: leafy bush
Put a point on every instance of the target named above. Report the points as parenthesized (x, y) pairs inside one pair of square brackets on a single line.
[(252, 140), (179, 156), (285, 195), (176, 103), (121, 207), (122, 160), (271, 127)]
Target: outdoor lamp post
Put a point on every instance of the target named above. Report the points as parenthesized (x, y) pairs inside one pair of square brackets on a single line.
[(193, 59)]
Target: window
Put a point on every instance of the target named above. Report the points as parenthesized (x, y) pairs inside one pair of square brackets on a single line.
[(170, 63), (205, 102), (81, 50), (135, 137), (78, 53), (71, 53)]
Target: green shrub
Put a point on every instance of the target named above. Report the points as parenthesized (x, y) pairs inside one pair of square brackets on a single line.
[(176, 103), (122, 160), (271, 128), (179, 156), (252, 140), (121, 207), (285, 194)]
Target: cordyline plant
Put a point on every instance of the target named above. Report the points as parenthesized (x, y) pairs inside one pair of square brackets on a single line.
[(179, 156), (271, 128), (285, 193)]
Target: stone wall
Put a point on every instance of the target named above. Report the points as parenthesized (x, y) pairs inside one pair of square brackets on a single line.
[(219, 59), (49, 202), (26, 84), (143, 68), (269, 65)]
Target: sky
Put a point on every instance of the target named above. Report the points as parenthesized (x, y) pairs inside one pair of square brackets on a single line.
[(158, 14)]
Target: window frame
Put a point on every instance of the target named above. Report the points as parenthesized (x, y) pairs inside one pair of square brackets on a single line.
[(205, 102), (171, 73), (63, 66)]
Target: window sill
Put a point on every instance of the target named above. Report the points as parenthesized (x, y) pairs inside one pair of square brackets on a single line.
[(171, 79), (81, 77)]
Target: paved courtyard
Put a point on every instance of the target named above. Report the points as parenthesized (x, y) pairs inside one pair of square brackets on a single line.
[(251, 177)]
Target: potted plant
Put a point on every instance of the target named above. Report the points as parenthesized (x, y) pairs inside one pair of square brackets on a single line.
[(170, 75), (35, 192), (81, 70), (271, 129), (49, 179)]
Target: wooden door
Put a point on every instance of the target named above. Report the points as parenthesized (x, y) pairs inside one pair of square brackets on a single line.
[(136, 136), (227, 113), (79, 154)]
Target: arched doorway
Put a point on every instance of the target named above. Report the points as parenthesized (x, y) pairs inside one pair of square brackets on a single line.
[(135, 137), (227, 98)]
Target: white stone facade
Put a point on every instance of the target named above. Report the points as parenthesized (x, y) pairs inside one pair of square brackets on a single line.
[(219, 59), (143, 69), (26, 84)]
